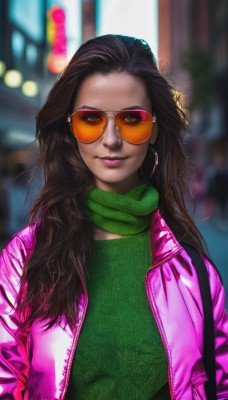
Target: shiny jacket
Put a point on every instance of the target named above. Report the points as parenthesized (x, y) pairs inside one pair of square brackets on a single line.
[(36, 365)]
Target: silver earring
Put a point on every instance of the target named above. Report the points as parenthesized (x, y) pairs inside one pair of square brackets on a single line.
[(154, 155), (155, 160)]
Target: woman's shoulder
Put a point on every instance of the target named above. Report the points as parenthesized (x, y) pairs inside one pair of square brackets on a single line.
[(21, 244), (27, 234)]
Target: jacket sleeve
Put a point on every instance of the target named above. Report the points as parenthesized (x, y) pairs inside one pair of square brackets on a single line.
[(13, 353), (221, 331)]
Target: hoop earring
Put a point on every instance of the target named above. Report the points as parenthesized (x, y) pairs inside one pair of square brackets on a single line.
[(155, 160), (154, 155)]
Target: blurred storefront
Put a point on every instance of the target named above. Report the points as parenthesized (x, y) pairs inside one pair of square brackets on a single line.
[(37, 39), (22, 44)]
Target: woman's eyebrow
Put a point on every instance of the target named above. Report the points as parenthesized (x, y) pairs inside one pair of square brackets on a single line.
[(135, 107)]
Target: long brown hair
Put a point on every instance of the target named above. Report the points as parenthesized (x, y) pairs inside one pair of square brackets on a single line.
[(55, 273)]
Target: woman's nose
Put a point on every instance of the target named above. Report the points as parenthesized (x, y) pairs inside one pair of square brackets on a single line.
[(111, 135)]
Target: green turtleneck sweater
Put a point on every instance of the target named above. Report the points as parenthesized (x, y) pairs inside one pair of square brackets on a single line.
[(119, 355)]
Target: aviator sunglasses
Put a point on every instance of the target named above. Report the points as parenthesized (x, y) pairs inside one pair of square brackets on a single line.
[(134, 126)]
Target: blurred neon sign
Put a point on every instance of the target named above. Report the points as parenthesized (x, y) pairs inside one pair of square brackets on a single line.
[(56, 37)]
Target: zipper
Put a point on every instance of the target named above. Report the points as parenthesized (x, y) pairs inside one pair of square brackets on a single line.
[(158, 322), (74, 345), (152, 303)]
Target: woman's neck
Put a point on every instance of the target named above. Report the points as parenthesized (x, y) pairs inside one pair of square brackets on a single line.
[(100, 234)]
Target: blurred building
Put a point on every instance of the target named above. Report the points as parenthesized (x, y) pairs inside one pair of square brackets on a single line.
[(22, 42), (36, 39), (193, 51)]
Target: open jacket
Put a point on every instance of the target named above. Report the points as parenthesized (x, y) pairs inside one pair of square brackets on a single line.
[(36, 365)]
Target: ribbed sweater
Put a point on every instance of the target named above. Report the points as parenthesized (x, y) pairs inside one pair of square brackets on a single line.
[(119, 355)]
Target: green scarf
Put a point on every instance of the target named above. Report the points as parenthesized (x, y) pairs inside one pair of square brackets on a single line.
[(125, 214)]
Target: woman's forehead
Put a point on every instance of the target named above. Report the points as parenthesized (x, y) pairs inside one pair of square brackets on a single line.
[(113, 91)]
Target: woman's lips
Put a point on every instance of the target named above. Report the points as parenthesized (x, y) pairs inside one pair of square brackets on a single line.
[(111, 161)]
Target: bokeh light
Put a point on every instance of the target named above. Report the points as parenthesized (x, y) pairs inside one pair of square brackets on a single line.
[(13, 78), (30, 88)]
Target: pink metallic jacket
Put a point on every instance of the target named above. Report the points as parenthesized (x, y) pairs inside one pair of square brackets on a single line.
[(36, 365)]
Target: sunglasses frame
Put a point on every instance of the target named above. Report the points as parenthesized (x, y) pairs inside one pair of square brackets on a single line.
[(104, 112)]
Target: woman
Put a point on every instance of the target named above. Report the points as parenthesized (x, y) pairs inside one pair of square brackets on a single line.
[(99, 300)]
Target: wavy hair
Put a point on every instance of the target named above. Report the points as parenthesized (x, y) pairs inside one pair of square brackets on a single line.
[(54, 275)]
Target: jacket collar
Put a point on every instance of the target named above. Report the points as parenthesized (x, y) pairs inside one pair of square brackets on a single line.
[(163, 242)]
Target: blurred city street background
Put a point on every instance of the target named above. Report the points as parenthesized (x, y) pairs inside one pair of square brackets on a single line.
[(190, 41)]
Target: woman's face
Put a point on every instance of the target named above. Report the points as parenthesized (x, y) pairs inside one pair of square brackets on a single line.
[(113, 161)]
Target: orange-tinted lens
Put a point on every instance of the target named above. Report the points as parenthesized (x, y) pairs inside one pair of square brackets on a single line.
[(135, 126), (87, 125)]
